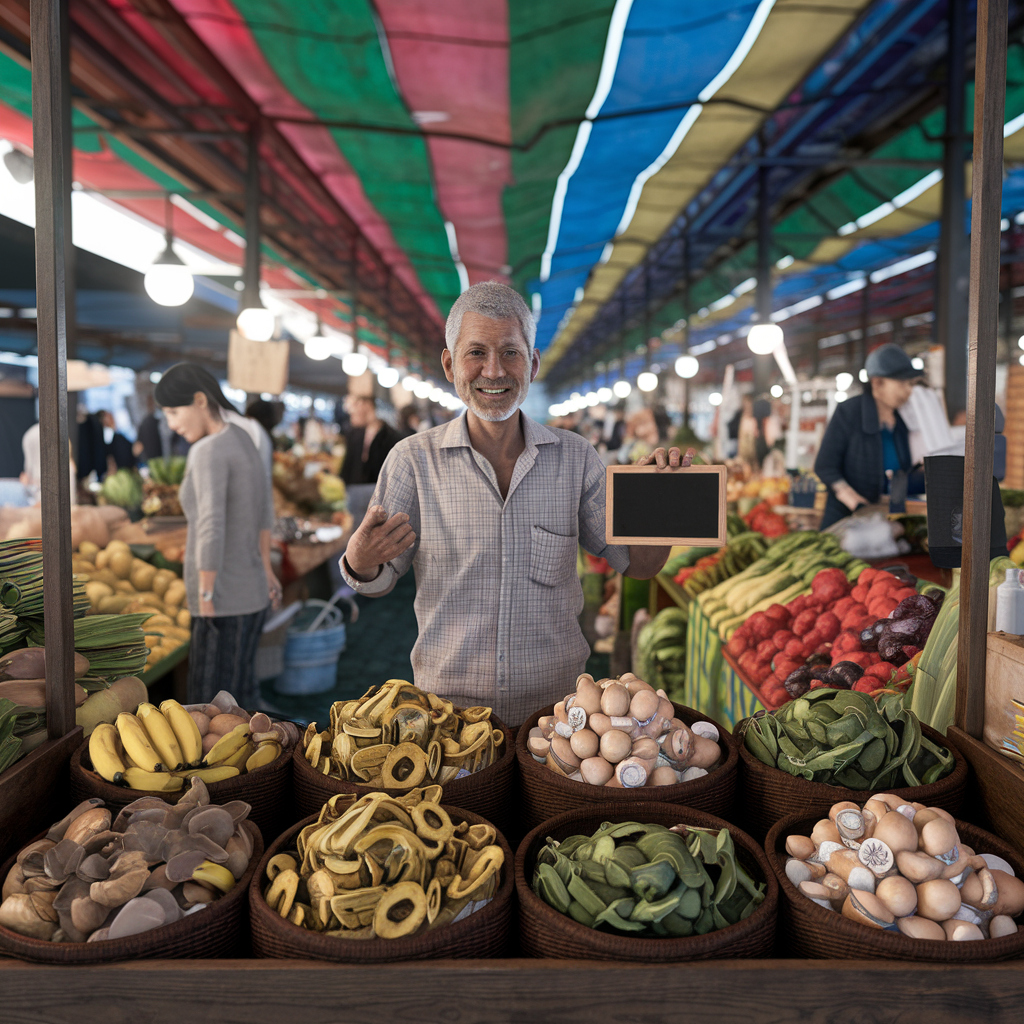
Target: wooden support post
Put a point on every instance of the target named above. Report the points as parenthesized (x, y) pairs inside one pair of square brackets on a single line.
[(983, 333), (50, 105)]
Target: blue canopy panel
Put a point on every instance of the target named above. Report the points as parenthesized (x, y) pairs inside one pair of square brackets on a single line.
[(671, 49)]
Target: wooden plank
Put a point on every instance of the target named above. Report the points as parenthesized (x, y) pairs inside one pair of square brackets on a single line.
[(51, 154), (1000, 787), (983, 335), (500, 991), (34, 791)]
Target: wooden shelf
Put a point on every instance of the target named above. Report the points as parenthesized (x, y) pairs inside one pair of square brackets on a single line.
[(999, 785), (498, 991)]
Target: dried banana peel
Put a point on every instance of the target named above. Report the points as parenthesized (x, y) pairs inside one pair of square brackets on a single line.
[(384, 867), (437, 741)]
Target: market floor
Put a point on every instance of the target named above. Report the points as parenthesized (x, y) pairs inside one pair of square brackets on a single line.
[(378, 648)]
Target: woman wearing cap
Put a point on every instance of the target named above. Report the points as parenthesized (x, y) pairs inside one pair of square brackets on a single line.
[(867, 442), (230, 513)]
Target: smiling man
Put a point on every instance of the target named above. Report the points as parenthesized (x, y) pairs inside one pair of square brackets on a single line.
[(489, 510)]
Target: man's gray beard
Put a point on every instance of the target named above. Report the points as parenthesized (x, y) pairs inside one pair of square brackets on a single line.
[(491, 416)]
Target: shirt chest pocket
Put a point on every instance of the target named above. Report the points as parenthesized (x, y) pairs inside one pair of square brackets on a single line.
[(552, 557)]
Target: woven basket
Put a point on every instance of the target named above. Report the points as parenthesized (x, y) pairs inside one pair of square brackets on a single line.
[(266, 790), (214, 932), (767, 794), (545, 793), (544, 932), (809, 930), (484, 934), (488, 792)]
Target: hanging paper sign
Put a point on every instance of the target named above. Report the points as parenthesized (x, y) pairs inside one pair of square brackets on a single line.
[(258, 367)]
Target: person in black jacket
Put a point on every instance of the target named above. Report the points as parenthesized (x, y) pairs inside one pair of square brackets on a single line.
[(867, 442), (368, 444)]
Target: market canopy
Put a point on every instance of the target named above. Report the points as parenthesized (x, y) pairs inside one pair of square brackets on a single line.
[(574, 149)]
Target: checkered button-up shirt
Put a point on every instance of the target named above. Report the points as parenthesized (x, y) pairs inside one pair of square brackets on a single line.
[(497, 593)]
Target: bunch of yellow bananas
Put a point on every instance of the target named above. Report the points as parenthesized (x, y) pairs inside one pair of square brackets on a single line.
[(158, 749), (397, 737), (384, 867)]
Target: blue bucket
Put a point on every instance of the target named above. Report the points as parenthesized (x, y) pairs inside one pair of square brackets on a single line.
[(311, 659)]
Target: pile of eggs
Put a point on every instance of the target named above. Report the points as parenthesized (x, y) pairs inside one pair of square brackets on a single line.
[(622, 733), (902, 868)]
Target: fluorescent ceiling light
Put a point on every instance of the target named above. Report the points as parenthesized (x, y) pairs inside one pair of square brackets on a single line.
[(846, 289), (903, 266)]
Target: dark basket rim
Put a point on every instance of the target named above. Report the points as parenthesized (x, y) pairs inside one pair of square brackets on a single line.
[(630, 947), (10, 940), (313, 777), (894, 944), (921, 794), (381, 949), (678, 791), (122, 794)]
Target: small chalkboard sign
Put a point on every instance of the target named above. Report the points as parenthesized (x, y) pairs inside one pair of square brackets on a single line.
[(645, 505)]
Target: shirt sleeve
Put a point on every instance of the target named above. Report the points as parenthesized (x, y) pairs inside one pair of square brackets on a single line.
[(396, 491), (828, 466), (211, 486), (592, 515)]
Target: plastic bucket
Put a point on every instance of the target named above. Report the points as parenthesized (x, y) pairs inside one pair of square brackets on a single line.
[(310, 659)]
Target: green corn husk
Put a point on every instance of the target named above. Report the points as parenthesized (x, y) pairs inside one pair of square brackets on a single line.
[(846, 738), (656, 881), (114, 644), (10, 744), (21, 580)]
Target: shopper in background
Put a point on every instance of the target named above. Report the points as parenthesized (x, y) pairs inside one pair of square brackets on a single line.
[(117, 446), (31, 476), (227, 503), (266, 414), (867, 442), (409, 420), (367, 447)]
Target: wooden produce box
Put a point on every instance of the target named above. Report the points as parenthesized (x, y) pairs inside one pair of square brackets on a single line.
[(1004, 681)]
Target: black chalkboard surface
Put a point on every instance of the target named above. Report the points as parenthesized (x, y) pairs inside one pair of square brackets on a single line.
[(686, 507)]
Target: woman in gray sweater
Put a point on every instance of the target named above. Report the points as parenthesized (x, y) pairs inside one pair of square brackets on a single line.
[(227, 501)]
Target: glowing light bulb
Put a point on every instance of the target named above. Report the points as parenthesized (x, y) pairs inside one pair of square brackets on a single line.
[(647, 381), (763, 339), (687, 367), (354, 364), (318, 347), (622, 389), (256, 323), (715, 398), (387, 377)]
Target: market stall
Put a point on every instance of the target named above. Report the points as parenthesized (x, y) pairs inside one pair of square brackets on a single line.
[(215, 978)]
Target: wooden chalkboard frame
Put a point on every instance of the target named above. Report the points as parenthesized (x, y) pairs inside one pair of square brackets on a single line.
[(719, 540)]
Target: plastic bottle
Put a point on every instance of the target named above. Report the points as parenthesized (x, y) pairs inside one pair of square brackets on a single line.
[(1010, 604)]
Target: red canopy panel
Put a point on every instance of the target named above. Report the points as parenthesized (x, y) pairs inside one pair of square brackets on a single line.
[(451, 58)]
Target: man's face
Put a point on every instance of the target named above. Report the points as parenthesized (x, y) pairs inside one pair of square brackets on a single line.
[(360, 412), (492, 366)]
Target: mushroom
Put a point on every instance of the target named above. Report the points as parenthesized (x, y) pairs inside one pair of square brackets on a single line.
[(62, 860), (181, 866), (87, 915), (88, 824), (165, 899), (30, 915), (14, 882), (239, 851), (158, 880), (213, 822), (59, 829), (94, 868), (148, 838), (194, 894), (128, 874), (137, 915), (31, 857)]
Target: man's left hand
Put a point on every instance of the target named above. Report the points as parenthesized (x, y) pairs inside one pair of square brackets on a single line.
[(671, 459)]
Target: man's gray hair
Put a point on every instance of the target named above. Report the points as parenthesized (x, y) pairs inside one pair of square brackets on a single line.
[(491, 299)]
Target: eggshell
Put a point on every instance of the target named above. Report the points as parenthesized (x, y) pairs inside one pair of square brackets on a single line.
[(663, 776), (825, 831), (599, 723), (917, 866), (588, 696), (938, 900), (800, 847), (615, 746), (705, 752), (584, 743), (961, 931), (596, 771), (938, 837), (644, 705), (843, 805), (866, 908), (615, 700), (1011, 894), (562, 749), (897, 832), (1001, 925), (898, 895), (921, 928)]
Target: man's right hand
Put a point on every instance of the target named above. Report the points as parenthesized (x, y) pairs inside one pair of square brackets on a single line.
[(378, 540), (849, 497)]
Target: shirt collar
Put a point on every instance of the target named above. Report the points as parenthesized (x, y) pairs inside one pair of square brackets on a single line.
[(456, 434)]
